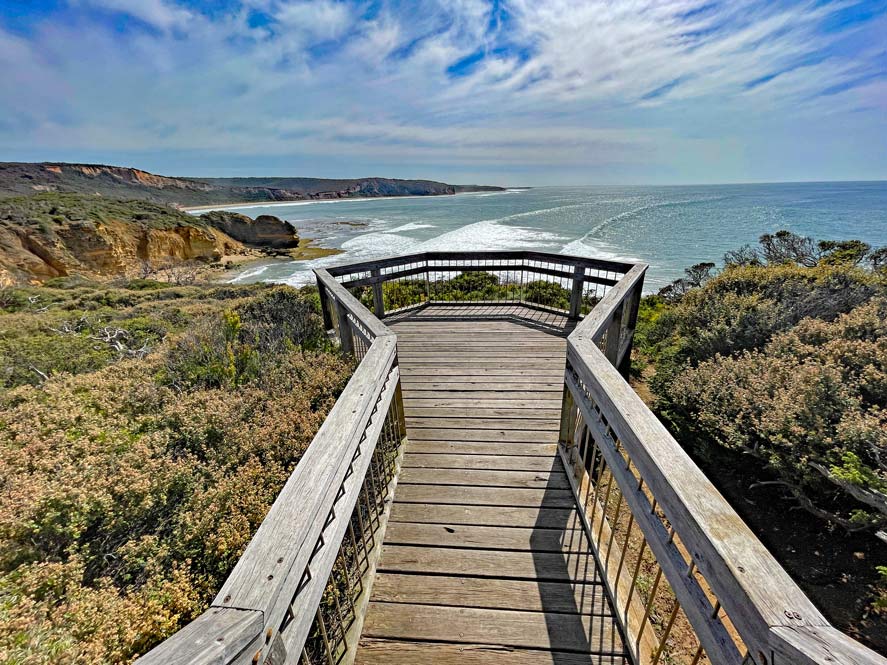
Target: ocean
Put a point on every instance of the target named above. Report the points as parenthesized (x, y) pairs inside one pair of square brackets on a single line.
[(670, 228)]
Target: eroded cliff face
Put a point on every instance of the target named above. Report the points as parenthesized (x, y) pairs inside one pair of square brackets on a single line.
[(103, 250), (55, 235)]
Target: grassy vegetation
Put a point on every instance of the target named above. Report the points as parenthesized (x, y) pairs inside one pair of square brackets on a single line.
[(144, 432), (49, 209), (782, 357)]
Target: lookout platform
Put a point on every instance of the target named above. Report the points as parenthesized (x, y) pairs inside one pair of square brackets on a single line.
[(484, 558), (489, 489)]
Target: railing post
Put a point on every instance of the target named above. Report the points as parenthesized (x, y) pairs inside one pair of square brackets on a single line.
[(427, 283), (345, 337), (398, 405), (634, 304), (378, 299), (568, 418), (576, 293), (614, 335), (324, 306)]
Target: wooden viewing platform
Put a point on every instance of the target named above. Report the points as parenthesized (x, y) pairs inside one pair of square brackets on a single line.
[(484, 558), (488, 489)]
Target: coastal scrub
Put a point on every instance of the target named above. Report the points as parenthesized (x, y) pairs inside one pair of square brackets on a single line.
[(132, 483)]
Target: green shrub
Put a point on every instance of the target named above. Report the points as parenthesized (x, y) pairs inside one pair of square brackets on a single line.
[(281, 317), (29, 358), (396, 295), (548, 294), (212, 355), (810, 403), (743, 307)]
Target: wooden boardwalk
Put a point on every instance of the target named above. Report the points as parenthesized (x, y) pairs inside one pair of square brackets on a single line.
[(484, 559)]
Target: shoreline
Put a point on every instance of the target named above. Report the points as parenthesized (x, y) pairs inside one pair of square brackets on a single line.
[(302, 202), (307, 250)]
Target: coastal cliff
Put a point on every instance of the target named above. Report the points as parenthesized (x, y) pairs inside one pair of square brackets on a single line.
[(22, 179), (57, 235)]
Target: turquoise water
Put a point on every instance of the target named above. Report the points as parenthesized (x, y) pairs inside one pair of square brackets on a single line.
[(668, 227)]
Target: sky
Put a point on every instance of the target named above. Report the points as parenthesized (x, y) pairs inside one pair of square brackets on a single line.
[(513, 92)]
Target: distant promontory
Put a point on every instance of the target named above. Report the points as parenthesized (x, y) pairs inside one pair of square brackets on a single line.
[(23, 178)]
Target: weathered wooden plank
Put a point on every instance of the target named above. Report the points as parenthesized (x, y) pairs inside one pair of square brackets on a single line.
[(475, 363), (568, 632), (469, 416), (550, 355), (470, 377), (495, 401), (436, 434), (486, 386), (470, 351), (815, 645), (488, 422), (483, 477), (447, 370), (545, 566), (520, 341), (483, 448), (484, 360), (484, 496), (395, 652), (492, 593), (489, 537), (219, 635), (502, 339), (550, 518), (503, 462)]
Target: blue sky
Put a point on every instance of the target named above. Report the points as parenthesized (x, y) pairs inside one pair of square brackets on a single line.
[(495, 91)]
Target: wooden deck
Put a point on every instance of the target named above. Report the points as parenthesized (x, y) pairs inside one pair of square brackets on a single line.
[(484, 559)]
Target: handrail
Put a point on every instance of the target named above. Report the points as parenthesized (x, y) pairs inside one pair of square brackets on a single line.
[(323, 526), (649, 510), (524, 277)]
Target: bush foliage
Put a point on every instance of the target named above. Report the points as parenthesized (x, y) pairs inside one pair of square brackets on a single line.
[(783, 355), (471, 286), (132, 483)]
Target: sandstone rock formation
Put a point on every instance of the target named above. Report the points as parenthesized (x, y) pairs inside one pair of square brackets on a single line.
[(55, 235), (264, 231)]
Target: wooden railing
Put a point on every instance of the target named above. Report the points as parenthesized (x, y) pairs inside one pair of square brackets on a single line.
[(298, 593), (560, 284), (688, 580)]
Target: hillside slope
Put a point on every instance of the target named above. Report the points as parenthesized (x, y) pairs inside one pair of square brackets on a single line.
[(22, 179), (49, 235)]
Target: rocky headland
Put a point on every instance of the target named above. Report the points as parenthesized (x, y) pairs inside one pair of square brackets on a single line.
[(50, 235)]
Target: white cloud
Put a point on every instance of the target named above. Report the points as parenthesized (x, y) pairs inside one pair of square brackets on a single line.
[(324, 19), (158, 13)]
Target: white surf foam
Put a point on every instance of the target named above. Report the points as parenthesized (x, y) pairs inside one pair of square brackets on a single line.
[(248, 274), (410, 226), (596, 250), (489, 235)]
